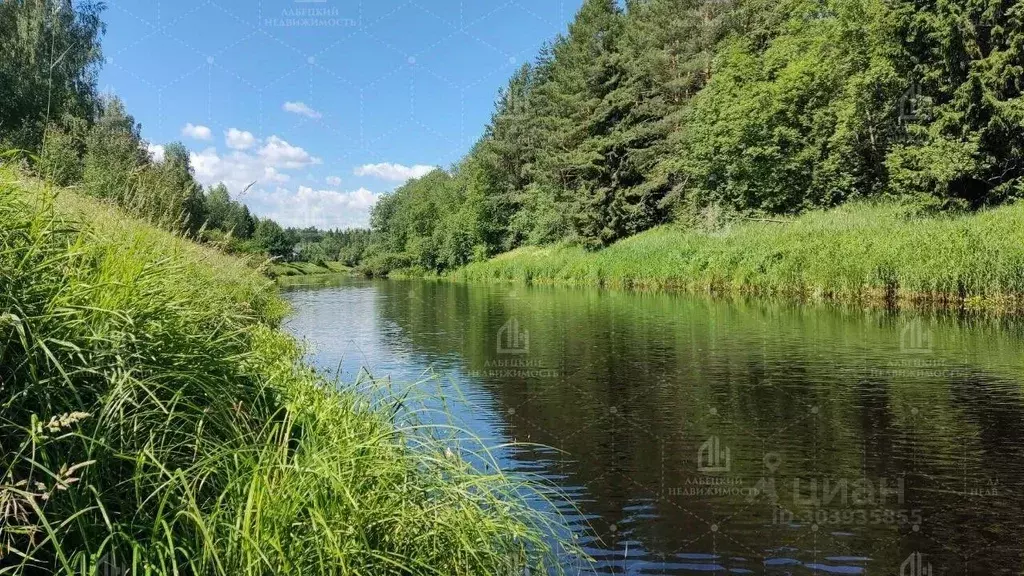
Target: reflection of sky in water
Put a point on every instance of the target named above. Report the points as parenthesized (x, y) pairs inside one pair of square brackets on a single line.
[(645, 380), (346, 335)]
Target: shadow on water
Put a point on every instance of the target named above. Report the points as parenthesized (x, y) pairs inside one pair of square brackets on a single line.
[(703, 436)]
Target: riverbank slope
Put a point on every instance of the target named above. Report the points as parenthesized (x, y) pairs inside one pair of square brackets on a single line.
[(858, 253), (299, 269), (155, 420)]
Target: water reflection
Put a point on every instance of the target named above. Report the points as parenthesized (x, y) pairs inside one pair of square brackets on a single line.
[(698, 436)]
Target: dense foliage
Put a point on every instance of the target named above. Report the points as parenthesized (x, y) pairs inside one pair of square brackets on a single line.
[(319, 246), (49, 106), (673, 109), (49, 58), (641, 113)]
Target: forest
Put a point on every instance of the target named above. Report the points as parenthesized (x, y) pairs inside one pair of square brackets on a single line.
[(71, 135), (691, 112), (704, 112), (155, 418)]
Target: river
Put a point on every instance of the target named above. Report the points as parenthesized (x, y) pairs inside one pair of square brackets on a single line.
[(697, 436)]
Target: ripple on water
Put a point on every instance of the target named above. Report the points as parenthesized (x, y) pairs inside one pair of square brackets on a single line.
[(641, 387)]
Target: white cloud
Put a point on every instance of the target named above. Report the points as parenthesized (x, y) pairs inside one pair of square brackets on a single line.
[(239, 139), (306, 206), (196, 132), (394, 172), (270, 174), (301, 109), (333, 180), (268, 163), (211, 168), (280, 154), (156, 152), (239, 168)]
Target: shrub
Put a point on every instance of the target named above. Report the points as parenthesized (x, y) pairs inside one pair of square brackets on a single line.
[(63, 147)]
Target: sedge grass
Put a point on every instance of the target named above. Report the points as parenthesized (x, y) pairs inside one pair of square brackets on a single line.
[(859, 253), (293, 269), (153, 420)]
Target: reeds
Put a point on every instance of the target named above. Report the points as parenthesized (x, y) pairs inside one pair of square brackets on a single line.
[(862, 253), (153, 420)]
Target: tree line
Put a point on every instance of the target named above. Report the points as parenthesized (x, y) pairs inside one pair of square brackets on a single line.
[(50, 57), (694, 110), (655, 111)]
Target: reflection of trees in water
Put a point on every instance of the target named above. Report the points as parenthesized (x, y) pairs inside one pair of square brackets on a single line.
[(644, 380)]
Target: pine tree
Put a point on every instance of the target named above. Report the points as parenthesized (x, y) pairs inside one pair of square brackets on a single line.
[(964, 67)]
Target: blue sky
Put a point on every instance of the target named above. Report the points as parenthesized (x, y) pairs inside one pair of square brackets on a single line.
[(326, 104)]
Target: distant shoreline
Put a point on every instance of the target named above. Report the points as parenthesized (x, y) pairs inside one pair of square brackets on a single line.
[(865, 254), (280, 270)]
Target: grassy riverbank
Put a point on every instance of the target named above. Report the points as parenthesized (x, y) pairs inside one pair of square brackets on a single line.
[(856, 253), (154, 420), (293, 269)]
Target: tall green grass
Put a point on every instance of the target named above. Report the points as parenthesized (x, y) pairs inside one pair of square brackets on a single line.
[(153, 420), (294, 269), (854, 253)]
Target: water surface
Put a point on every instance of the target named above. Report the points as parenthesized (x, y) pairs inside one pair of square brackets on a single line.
[(700, 436)]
